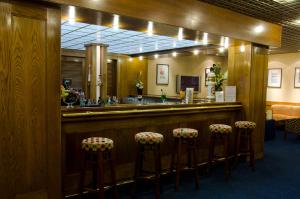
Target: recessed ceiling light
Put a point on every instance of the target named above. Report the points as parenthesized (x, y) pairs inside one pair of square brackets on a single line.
[(72, 15), (130, 59), (150, 28), (141, 49), (156, 56), (297, 21), (116, 22), (174, 54), (299, 50), (259, 29), (108, 60), (141, 58), (222, 41), (196, 52), (180, 34)]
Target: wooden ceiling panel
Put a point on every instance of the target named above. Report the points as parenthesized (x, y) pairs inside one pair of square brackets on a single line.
[(282, 12)]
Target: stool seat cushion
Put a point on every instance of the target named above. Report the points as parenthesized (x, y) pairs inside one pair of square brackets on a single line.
[(185, 133), (220, 128), (245, 124), (149, 138), (97, 143)]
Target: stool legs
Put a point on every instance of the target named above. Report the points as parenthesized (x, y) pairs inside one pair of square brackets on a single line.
[(157, 163), (248, 133), (211, 154), (100, 175), (139, 167), (226, 151), (178, 163), (191, 155), (252, 153), (113, 176)]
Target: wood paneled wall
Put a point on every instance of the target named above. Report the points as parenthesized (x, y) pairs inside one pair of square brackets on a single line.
[(128, 73), (30, 165), (248, 71), (73, 68)]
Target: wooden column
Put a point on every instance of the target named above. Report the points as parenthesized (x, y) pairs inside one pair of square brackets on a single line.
[(30, 145), (248, 72), (96, 71)]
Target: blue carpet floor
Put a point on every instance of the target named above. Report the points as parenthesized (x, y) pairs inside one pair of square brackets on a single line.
[(277, 176)]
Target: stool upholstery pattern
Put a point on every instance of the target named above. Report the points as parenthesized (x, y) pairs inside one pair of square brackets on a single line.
[(245, 124), (185, 133), (148, 138), (97, 143), (220, 128)]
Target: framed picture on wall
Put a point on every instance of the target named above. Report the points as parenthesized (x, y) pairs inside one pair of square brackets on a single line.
[(274, 77), (162, 74), (297, 78), (207, 70)]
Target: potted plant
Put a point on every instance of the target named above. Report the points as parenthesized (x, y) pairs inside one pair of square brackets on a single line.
[(219, 77), (163, 96)]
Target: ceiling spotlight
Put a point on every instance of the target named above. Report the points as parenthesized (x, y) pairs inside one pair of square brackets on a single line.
[(242, 48), (141, 49), (205, 38), (72, 15), (156, 56), (108, 60), (174, 54), (116, 22), (130, 59), (180, 34), (297, 21), (222, 42), (259, 29), (221, 49), (141, 58), (196, 52), (150, 28)]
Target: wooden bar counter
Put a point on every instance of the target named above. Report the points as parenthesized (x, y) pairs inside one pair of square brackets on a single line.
[(121, 122)]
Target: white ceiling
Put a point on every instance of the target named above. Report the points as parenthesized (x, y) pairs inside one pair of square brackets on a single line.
[(120, 41)]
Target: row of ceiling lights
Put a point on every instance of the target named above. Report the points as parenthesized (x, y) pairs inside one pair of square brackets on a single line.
[(224, 42)]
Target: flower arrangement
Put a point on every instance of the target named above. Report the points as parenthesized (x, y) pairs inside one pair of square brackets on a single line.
[(163, 95), (139, 84), (220, 77)]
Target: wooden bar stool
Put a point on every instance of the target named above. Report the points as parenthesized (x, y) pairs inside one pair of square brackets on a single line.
[(222, 132), (96, 151), (148, 141), (185, 137), (245, 128)]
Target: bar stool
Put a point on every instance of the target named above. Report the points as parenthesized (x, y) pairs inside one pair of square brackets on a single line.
[(185, 137), (148, 141), (96, 151), (245, 128), (222, 132)]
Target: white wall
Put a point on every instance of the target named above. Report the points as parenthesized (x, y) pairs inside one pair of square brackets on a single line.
[(182, 65), (287, 92)]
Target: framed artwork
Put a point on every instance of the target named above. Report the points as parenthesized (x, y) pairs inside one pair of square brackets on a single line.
[(162, 74), (207, 70), (297, 78), (274, 77)]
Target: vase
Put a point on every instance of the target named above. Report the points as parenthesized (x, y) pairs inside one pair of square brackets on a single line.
[(139, 91)]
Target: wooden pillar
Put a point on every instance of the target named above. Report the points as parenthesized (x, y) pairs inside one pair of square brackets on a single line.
[(30, 145), (247, 70), (96, 71)]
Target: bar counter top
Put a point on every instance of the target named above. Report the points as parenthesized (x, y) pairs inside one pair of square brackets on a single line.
[(136, 110)]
